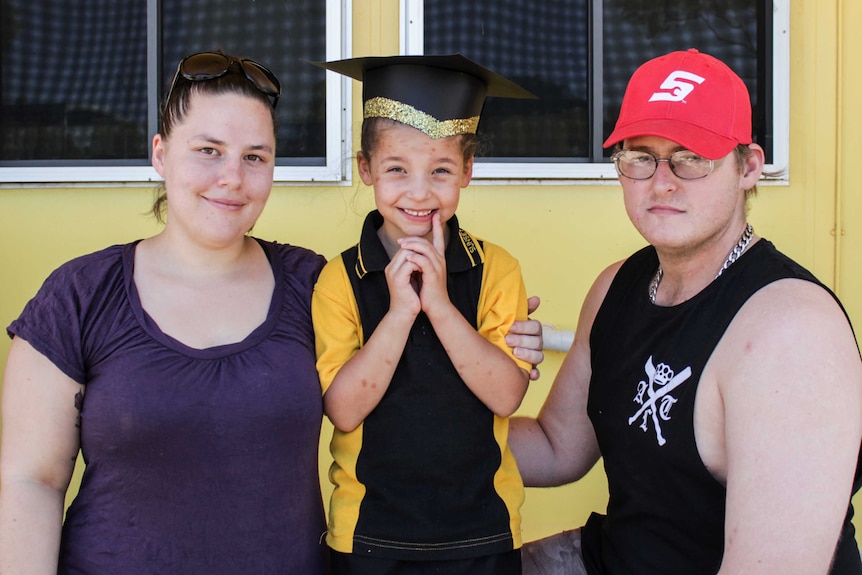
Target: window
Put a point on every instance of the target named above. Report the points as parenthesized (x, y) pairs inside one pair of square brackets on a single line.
[(577, 57), (81, 82)]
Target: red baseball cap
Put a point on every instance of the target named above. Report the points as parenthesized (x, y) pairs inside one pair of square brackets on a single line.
[(690, 98)]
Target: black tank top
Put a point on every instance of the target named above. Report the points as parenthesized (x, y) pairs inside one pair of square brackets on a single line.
[(666, 511)]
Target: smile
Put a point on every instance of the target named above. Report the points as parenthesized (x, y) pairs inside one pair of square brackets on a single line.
[(225, 203), (417, 213)]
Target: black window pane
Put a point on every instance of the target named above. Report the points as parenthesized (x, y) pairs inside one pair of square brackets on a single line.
[(73, 79), (544, 47), (280, 35), (738, 32)]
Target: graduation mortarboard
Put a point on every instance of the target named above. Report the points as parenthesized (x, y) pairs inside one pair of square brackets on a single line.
[(438, 95)]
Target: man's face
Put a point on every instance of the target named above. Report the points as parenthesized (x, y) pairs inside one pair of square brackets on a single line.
[(679, 215)]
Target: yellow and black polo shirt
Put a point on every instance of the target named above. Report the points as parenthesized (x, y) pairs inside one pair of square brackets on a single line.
[(428, 474)]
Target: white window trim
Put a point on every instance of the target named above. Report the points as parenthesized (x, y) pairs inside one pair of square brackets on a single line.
[(412, 42), (338, 138)]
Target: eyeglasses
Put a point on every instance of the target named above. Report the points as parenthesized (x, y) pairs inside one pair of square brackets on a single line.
[(639, 165), (211, 65)]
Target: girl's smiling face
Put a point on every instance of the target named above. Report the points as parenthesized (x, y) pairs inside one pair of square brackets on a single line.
[(414, 176)]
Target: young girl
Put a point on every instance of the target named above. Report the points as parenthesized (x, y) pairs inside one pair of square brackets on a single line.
[(410, 327)]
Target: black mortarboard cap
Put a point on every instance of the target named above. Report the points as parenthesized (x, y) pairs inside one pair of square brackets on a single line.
[(439, 95)]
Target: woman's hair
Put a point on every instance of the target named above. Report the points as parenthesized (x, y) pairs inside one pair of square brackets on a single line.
[(370, 137), (176, 108)]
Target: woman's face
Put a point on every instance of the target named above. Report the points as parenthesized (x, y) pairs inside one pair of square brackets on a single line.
[(218, 167)]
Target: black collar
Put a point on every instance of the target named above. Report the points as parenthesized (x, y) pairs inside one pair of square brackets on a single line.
[(461, 255)]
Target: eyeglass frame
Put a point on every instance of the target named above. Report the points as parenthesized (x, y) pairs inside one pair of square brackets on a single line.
[(230, 60), (656, 160)]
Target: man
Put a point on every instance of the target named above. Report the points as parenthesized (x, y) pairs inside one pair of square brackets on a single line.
[(718, 380)]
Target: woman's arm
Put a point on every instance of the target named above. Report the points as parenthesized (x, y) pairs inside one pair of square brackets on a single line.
[(40, 442)]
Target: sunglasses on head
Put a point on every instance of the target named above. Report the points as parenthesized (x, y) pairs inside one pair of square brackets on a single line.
[(210, 65)]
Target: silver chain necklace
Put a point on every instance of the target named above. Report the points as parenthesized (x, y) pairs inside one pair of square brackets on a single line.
[(731, 257)]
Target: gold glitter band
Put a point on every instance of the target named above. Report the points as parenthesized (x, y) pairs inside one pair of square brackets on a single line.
[(386, 108)]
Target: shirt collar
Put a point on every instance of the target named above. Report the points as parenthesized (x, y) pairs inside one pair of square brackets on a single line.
[(462, 252)]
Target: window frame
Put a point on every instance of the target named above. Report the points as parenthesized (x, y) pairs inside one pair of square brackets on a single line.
[(336, 168), (565, 173)]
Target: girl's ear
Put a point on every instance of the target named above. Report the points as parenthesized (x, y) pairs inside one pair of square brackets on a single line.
[(468, 173), (364, 164)]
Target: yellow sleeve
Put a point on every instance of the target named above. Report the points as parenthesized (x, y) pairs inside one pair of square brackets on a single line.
[(503, 299), (335, 315)]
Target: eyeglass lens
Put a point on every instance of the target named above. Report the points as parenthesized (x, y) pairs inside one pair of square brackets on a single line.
[(205, 66), (684, 164), (261, 77)]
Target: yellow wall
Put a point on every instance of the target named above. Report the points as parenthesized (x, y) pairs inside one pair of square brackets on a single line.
[(848, 150), (563, 235)]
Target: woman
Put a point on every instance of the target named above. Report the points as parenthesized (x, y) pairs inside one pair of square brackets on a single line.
[(182, 366)]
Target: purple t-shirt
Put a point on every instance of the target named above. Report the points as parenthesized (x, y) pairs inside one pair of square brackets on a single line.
[(198, 461)]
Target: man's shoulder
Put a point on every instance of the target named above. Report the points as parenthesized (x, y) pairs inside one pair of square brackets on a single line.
[(788, 325), (780, 303), (788, 287)]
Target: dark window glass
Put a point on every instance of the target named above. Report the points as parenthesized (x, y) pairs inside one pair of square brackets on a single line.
[(544, 47), (550, 48), (73, 75), (73, 78), (738, 32), (280, 35)]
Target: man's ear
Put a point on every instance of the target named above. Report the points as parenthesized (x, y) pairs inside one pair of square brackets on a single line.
[(752, 166)]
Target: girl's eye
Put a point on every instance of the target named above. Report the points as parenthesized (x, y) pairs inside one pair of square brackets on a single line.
[(208, 151)]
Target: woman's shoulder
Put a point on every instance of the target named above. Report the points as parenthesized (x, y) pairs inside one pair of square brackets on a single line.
[(290, 252), (94, 268), (79, 300), (295, 263)]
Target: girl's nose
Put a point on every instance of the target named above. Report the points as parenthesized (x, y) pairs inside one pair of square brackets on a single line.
[(418, 188)]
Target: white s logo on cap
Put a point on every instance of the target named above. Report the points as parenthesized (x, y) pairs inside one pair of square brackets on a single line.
[(678, 84)]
